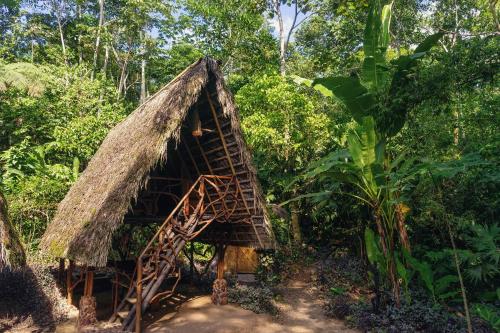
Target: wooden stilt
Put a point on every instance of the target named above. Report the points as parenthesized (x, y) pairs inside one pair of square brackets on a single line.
[(220, 261), (69, 287), (219, 289), (89, 283), (115, 291), (138, 305), (87, 307), (60, 273)]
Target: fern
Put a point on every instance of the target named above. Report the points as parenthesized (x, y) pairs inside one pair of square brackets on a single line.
[(24, 76)]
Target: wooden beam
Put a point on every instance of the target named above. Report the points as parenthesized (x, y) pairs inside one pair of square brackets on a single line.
[(221, 135), (138, 306), (221, 249), (89, 283), (204, 156), (69, 289), (60, 273)]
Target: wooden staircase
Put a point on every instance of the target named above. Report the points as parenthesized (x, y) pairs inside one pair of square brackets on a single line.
[(197, 209)]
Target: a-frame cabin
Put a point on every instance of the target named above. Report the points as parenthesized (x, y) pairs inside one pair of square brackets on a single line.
[(177, 165)]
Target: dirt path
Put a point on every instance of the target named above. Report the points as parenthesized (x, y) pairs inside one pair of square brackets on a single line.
[(300, 312)]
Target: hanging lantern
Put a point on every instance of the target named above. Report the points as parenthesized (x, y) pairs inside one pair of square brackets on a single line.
[(196, 124)]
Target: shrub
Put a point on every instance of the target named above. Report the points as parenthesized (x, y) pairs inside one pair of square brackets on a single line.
[(257, 299), (339, 307), (418, 315)]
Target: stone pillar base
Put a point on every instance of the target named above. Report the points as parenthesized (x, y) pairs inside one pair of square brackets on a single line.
[(219, 292), (87, 313)]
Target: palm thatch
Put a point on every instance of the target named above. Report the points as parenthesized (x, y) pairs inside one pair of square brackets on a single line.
[(97, 203), (11, 250)]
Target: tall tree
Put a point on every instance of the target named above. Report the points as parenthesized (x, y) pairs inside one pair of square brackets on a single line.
[(304, 8), (98, 36), (233, 31)]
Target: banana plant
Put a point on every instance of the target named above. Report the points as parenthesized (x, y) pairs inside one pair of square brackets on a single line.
[(372, 100), (374, 92), (365, 166)]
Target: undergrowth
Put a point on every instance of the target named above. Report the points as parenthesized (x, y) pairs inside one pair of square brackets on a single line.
[(343, 279), (258, 299)]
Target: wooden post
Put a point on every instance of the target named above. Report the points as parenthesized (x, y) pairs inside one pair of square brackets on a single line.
[(87, 307), (219, 288), (115, 291), (69, 274), (138, 304), (220, 261), (89, 283), (60, 273)]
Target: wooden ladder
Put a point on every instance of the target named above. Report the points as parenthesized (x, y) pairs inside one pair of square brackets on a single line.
[(157, 262)]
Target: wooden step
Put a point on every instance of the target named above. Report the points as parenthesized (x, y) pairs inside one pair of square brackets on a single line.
[(122, 314), (217, 139), (132, 300), (219, 148), (227, 167)]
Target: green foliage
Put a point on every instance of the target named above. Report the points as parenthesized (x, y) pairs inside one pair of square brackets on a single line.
[(479, 261), (257, 299), (489, 314), (435, 288), (407, 131), (373, 253), (283, 127), (24, 77), (232, 31), (48, 137)]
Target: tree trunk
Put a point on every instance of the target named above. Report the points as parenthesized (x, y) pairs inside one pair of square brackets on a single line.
[(79, 38), (295, 223), (122, 83), (32, 51), (460, 279), (103, 70), (106, 59), (98, 37), (493, 9), (143, 68), (403, 235), (282, 37), (61, 36)]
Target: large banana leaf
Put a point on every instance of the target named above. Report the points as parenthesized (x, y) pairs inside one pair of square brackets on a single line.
[(429, 42), (351, 92), (375, 72), (362, 143), (407, 62), (367, 153)]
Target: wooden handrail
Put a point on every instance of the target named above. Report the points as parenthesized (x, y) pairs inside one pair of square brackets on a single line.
[(171, 233)]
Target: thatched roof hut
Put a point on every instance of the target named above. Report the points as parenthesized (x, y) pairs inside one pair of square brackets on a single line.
[(153, 144), (11, 250)]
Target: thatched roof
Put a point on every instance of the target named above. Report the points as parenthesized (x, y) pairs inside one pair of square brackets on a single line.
[(96, 204), (11, 250)]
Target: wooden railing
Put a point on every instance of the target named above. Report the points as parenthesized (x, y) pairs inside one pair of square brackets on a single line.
[(210, 198)]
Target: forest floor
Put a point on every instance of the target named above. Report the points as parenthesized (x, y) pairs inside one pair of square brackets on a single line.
[(300, 308), (299, 302)]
